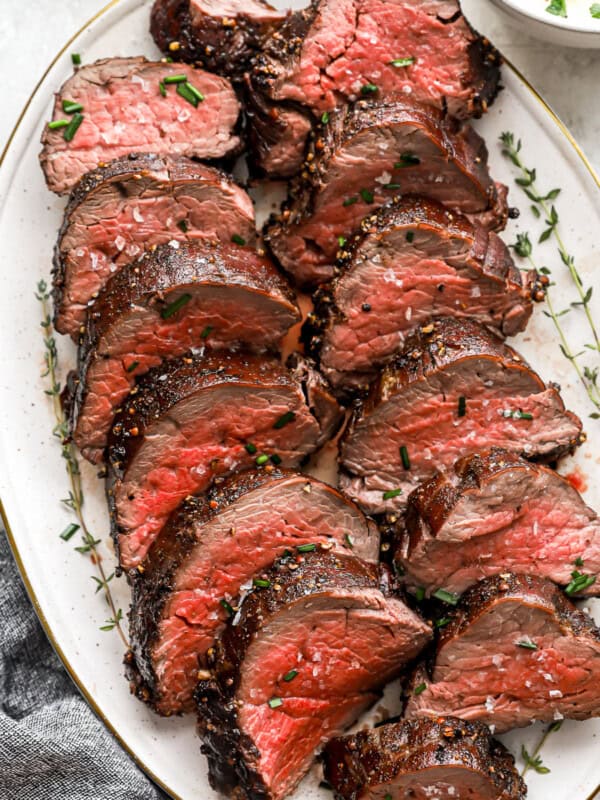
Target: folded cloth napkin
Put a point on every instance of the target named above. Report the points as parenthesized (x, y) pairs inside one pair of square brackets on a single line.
[(52, 747)]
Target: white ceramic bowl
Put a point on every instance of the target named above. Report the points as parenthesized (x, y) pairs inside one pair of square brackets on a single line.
[(578, 29)]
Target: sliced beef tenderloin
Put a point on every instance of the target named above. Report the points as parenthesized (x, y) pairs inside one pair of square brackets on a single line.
[(337, 51), (455, 389), (496, 512), (300, 661), (179, 297), (441, 758), (366, 155), (412, 260), (131, 205), (223, 36), (277, 135), (128, 108), (199, 564), (516, 650), (192, 420)]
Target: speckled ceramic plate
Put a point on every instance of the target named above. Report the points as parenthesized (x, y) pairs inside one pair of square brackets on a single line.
[(32, 477)]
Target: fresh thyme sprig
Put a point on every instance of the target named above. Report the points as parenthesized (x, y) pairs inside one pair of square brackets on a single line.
[(534, 760), (75, 499), (542, 205)]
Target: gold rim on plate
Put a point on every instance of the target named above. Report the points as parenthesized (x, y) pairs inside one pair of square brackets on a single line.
[(11, 537)]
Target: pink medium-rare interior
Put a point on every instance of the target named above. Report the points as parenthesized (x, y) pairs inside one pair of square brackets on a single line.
[(280, 517), (201, 437)]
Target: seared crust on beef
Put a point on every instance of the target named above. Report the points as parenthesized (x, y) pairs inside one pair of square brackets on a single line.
[(233, 756), (143, 290), (441, 234), (222, 38), (363, 763), (283, 49), (183, 533)]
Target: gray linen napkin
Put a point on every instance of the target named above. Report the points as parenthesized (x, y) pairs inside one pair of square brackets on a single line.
[(51, 744)]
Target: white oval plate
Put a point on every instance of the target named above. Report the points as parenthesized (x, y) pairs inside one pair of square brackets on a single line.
[(32, 478)]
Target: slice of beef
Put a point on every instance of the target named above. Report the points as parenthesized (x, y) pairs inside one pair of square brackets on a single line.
[(442, 758), (515, 651), (412, 260), (337, 51), (179, 297), (124, 111), (199, 565), (366, 155), (194, 419), (277, 135), (300, 661), (455, 389), (131, 205), (497, 512), (223, 36)]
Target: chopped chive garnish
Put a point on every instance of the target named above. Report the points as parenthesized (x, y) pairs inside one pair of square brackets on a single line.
[(285, 419), (420, 594), (59, 123), (388, 797), (391, 493), (579, 583), (275, 702), (349, 541), (132, 366), (237, 239), (289, 676), (76, 59), (250, 448), (175, 79), (349, 201), (527, 644), (441, 622), (262, 459), (69, 532), (578, 561), (420, 688), (306, 548), (70, 107), (403, 62), (366, 195), (174, 307), (183, 225), (190, 93), (73, 127), (261, 583), (206, 332), (392, 186), (162, 88), (405, 457), (462, 406), (341, 241), (407, 160), (524, 415), (325, 117), (410, 236), (446, 597), (276, 459), (368, 88), (227, 606), (169, 59)]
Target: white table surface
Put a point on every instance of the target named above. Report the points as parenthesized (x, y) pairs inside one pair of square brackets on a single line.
[(31, 34)]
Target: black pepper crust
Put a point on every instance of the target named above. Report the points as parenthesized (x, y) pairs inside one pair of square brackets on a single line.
[(439, 345), (152, 588), (121, 171), (358, 764), (225, 45), (232, 756)]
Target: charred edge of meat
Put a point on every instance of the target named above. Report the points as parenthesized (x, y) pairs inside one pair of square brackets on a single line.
[(231, 753), (318, 395), (131, 164), (366, 759), (486, 62), (152, 588)]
